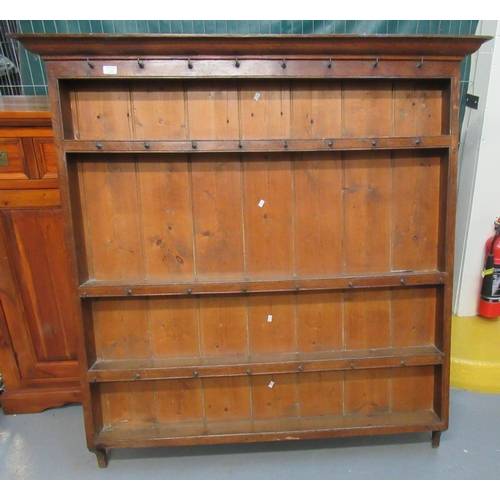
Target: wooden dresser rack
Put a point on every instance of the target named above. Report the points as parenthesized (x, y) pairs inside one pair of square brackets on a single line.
[(260, 230)]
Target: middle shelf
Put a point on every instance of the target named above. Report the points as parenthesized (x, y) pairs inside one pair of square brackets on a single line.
[(119, 288), (262, 364), (251, 330)]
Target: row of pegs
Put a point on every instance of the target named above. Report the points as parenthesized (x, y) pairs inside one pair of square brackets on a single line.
[(244, 289), (237, 63), (272, 383), (194, 144)]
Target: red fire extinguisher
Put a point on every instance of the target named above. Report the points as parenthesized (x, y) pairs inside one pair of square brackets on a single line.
[(489, 303)]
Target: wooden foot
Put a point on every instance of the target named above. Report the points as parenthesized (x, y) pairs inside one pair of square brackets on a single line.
[(102, 459), (436, 437)]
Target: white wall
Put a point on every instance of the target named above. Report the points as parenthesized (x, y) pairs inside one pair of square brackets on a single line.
[(479, 172)]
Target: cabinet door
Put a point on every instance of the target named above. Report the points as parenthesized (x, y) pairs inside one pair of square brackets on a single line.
[(35, 293)]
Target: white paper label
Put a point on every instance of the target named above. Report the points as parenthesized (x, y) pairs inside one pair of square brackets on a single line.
[(261, 203), (270, 385), (110, 70), (256, 96), (269, 318)]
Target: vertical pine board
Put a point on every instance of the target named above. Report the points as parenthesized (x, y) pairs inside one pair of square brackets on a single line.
[(115, 398), (109, 186), (158, 110), (128, 403), (223, 325), (367, 212), (103, 111), (321, 394), (405, 108), (446, 109), (179, 401), (142, 407), (217, 209), (367, 319), (265, 109), (227, 398), (166, 217), (318, 214), (174, 327), (413, 388), (413, 317), (77, 205), (367, 391), (316, 109), (85, 108), (416, 210), (418, 108), (447, 197), (121, 328), (272, 323), (274, 396), (212, 110), (268, 208), (69, 111), (367, 108), (319, 321)]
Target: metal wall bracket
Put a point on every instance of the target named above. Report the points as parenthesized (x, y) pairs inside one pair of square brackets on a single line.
[(472, 101)]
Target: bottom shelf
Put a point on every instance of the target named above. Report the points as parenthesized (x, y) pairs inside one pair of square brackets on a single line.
[(268, 430)]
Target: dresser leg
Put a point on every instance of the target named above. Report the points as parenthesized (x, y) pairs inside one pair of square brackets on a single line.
[(102, 459), (436, 437)]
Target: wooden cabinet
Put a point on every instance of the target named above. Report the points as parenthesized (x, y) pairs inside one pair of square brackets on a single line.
[(260, 230), (37, 334)]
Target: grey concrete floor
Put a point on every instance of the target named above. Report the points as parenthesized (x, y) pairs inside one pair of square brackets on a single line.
[(51, 445)]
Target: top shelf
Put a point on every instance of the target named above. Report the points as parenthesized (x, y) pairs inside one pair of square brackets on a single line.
[(54, 46), (243, 115)]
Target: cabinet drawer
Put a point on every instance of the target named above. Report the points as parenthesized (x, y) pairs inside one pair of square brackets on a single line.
[(13, 164)]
